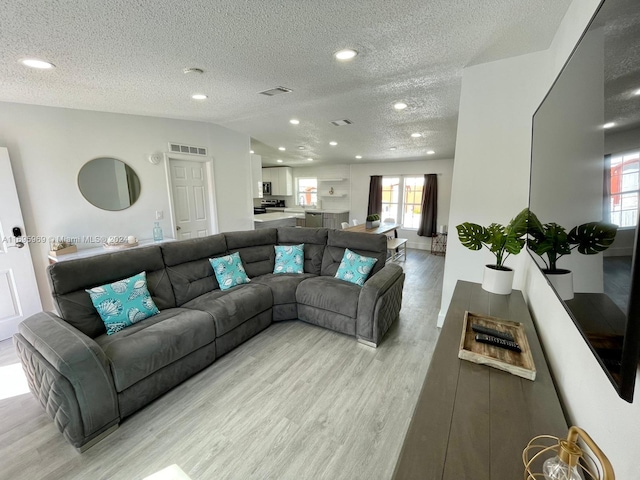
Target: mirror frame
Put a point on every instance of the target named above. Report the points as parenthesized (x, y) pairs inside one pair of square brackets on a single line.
[(128, 169), (631, 345)]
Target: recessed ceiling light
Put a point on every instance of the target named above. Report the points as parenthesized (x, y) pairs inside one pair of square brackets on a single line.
[(637, 92), (35, 63), (358, 157), (346, 54), (309, 159), (430, 152), (199, 96), (192, 70), (392, 148), (251, 151), (301, 147), (400, 106), (294, 121), (609, 125), (333, 144), (279, 161), (282, 149), (416, 135)]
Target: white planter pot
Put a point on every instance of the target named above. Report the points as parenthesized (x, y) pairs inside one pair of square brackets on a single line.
[(562, 282), (497, 281)]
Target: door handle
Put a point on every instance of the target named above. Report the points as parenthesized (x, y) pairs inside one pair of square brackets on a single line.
[(178, 228)]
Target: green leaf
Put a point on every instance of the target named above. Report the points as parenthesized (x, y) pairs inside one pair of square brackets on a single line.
[(472, 235), (592, 237)]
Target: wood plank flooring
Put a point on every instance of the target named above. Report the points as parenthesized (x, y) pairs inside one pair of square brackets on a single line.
[(295, 402)]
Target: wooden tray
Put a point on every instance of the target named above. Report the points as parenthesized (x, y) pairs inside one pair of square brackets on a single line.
[(520, 364)]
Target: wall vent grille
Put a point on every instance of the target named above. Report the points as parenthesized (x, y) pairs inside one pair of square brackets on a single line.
[(341, 123), (188, 149), (275, 91)]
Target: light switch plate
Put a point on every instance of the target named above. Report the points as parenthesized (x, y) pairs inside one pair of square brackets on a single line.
[(159, 214)]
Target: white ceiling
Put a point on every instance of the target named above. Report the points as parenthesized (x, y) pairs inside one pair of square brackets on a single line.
[(127, 56)]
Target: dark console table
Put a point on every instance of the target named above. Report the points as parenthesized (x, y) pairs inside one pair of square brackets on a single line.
[(473, 421)]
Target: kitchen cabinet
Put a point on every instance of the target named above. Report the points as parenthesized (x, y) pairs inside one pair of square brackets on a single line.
[(256, 176), (334, 220), (281, 179)]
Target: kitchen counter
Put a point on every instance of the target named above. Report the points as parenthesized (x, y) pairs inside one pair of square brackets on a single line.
[(274, 216), (319, 210)]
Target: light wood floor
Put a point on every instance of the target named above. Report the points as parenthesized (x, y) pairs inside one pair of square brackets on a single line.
[(295, 402)]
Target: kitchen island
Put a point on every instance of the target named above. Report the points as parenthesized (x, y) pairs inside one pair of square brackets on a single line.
[(276, 219)]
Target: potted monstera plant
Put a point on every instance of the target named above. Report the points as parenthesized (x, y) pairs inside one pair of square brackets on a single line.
[(552, 241), (502, 241)]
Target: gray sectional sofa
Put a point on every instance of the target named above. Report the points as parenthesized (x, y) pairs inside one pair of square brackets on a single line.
[(89, 381)]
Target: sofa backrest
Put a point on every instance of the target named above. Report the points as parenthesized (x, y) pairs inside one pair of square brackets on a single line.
[(69, 280), (188, 267), (368, 245), (315, 241), (255, 248)]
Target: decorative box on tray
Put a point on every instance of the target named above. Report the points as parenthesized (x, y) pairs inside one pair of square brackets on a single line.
[(516, 363)]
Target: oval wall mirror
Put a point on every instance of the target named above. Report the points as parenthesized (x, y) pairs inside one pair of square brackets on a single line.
[(109, 183)]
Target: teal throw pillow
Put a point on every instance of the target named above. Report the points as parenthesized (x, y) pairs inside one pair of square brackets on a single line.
[(289, 259), (355, 268), (125, 302), (229, 271)]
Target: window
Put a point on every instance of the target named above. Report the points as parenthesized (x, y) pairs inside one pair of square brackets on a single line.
[(412, 202), (390, 188), (624, 189), (406, 208), (307, 193)]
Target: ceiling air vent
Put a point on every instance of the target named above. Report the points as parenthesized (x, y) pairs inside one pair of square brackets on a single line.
[(275, 91), (188, 149), (341, 123)]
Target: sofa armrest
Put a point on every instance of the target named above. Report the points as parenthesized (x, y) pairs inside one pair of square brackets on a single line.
[(70, 375), (379, 304)]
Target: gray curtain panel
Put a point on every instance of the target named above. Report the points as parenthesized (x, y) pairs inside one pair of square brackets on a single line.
[(606, 190), (375, 195), (428, 219)]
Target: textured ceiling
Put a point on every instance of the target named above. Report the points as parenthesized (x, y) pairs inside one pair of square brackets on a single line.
[(127, 56)]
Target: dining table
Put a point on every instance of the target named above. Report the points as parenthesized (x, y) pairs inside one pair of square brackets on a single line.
[(383, 228)]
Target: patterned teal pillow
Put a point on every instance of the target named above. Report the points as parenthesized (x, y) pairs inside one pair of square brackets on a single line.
[(229, 271), (125, 302), (355, 268), (289, 259)]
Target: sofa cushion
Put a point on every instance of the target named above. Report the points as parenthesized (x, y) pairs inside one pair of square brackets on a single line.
[(289, 259), (144, 348), (233, 307), (229, 271), (283, 286), (125, 302), (255, 248), (188, 265), (368, 245), (69, 280), (355, 268), (314, 239), (330, 294)]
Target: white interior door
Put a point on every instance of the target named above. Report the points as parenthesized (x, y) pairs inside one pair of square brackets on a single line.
[(19, 297), (191, 200)]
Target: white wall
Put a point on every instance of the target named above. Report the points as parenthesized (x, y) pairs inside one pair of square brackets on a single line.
[(493, 148), (360, 177), (48, 146), (497, 103)]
